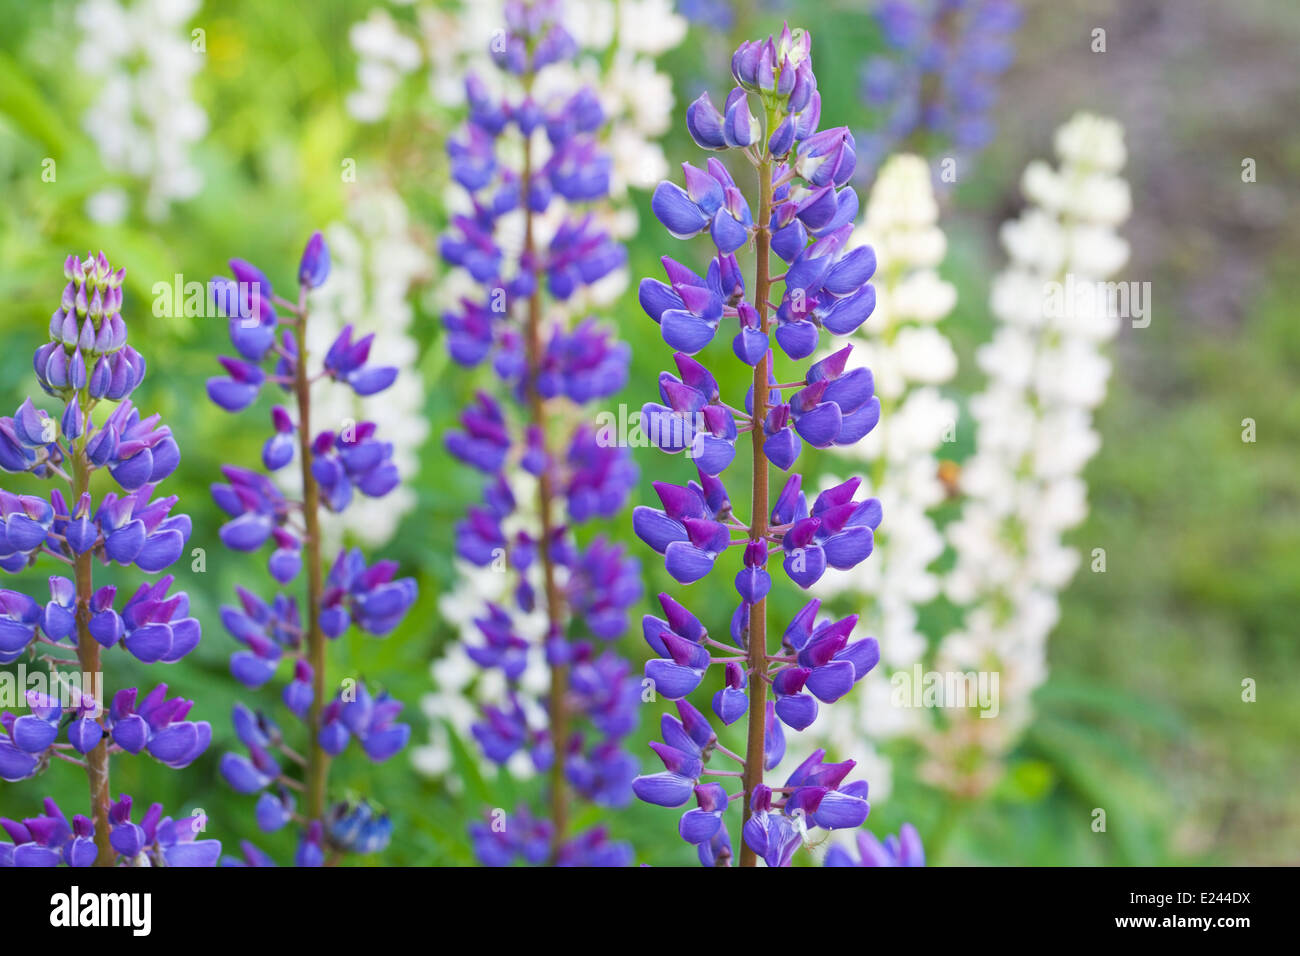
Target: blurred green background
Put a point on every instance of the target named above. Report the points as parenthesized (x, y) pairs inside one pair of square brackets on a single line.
[(1142, 713)]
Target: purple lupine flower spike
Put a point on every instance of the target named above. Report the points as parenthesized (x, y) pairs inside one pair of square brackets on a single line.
[(902, 850), (517, 323), (88, 360), (935, 86), (335, 465), (805, 212)]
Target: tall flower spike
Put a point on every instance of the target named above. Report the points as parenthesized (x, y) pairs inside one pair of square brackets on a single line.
[(934, 91), (336, 467), (88, 361), (1026, 476), (804, 214), (567, 596), (627, 108)]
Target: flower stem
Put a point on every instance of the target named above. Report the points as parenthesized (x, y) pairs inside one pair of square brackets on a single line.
[(88, 656), (317, 759), (557, 704), (753, 773)]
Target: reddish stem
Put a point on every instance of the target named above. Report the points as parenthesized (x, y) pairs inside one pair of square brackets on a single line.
[(753, 773)]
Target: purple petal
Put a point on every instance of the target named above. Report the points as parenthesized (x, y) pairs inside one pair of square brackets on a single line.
[(820, 426), (831, 681), (797, 711), (847, 314), (730, 704), (14, 764), (863, 655), (231, 395), (686, 331), (848, 548), (665, 789), (839, 811), (687, 563), (805, 566), (854, 426), (674, 207), (699, 826), (797, 339), (33, 735), (150, 643), (248, 532), (672, 680), (782, 448), (160, 550)]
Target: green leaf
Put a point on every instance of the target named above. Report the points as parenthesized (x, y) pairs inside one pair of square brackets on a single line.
[(22, 102)]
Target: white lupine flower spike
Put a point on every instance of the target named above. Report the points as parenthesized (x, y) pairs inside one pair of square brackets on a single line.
[(910, 358), (1023, 486)]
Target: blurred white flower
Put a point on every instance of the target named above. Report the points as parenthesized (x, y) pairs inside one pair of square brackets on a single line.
[(461, 687), (108, 206), (144, 119), (1034, 435), (909, 357), (619, 40)]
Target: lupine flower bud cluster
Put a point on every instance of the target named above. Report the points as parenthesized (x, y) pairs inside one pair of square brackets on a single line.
[(562, 475), (343, 462), (86, 361), (805, 215), (940, 84), (1023, 485)]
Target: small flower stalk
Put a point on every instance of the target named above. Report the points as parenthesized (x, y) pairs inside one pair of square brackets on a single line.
[(804, 214), (88, 361), (376, 263), (530, 163), (283, 633)]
